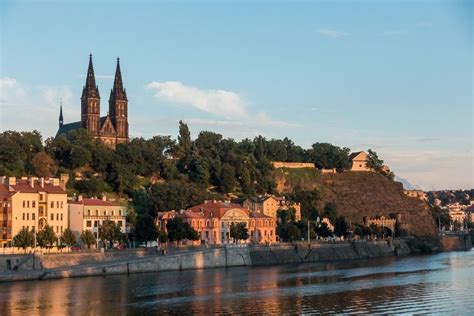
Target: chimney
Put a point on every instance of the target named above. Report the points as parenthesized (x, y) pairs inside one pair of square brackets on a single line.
[(32, 182), (11, 181), (79, 198), (41, 181), (104, 198), (3, 180)]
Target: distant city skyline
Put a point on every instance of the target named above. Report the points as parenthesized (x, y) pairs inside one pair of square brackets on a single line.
[(396, 77)]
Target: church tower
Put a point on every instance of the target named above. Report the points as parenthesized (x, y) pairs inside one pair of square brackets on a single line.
[(61, 119), (118, 107), (90, 103)]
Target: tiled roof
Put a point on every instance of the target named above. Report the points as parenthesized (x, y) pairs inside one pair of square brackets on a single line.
[(4, 193), (68, 127), (23, 186)]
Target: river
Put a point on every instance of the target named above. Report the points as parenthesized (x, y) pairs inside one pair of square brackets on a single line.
[(440, 283)]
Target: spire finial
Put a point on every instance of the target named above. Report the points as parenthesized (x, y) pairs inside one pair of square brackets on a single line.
[(61, 120)]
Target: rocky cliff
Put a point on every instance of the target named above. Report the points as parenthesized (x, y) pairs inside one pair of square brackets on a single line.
[(363, 194)]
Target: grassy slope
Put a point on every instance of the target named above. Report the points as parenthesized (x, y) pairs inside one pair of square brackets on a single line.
[(359, 194)]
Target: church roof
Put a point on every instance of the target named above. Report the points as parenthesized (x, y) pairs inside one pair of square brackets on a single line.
[(65, 128)]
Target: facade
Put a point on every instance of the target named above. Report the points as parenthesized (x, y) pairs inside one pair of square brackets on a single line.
[(419, 194), (111, 129), (382, 221), (91, 213), (213, 219), (34, 204), (5, 217), (269, 205), (359, 161)]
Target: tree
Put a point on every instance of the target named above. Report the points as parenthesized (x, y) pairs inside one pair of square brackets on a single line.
[(227, 178), (341, 226), (184, 147), (46, 237), (323, 230), (24, 239), (330, 211), (88, 238), (441, 217), (309, 200), (43, 165), (68, 237), (178, 230), (373, 161), (289, 232), (325, 155), (239, 231), (110, 231), (146, 229)]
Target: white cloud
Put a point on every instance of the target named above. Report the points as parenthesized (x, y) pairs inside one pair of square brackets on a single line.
[(332, 33), (24, 108), (222, 103), (219, 102)]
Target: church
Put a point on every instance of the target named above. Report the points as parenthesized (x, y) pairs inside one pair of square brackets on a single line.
[(111, 129)]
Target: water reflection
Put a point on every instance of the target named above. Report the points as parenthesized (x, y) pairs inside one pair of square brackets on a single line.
[(425, 284)]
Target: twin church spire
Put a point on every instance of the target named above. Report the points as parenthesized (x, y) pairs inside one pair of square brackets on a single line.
[(112, 129)]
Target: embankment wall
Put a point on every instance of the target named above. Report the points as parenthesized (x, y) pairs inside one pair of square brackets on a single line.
[(456, 242)]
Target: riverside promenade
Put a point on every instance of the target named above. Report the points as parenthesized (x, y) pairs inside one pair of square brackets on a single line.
[(53, 266)]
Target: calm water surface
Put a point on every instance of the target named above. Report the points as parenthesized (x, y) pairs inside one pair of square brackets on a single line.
[(442, 283)]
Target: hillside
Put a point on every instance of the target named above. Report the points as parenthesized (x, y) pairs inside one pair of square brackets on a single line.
[(360, 194)]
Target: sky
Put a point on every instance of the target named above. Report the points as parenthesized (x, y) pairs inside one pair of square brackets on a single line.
[(393, 76)]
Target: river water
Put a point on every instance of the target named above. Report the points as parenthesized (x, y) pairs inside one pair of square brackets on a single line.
[(441, 283)]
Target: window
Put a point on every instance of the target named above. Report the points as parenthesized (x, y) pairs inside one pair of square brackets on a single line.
[(23, 216), (62, 204), (105, 213), (96, 223), (41, 197), (88, 212), (33, 216), (120, 212), (96, 212), (88, 223), (27, 216), (34, 203), (57, 216), (52, 204), (52, 216), (24, 203), (61, 216), (207, 234), (61, 229), (112, 212), (27, 203)]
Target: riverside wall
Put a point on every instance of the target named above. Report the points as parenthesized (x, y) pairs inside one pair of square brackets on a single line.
[(456, 242), (55, 266)]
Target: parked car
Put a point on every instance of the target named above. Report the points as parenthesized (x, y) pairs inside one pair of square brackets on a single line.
[(75, 248), (120, 247)]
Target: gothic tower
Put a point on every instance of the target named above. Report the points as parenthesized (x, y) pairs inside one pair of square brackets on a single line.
[(90, 103), (61, 119), (118, 107)]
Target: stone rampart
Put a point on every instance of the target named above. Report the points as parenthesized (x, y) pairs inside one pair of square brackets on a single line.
[(292, 165)]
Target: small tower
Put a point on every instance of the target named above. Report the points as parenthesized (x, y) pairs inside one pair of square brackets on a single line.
[(118, 106), (90, 103), (61, 119)]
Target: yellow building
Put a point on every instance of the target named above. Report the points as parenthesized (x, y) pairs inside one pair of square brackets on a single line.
[(359, 161), (91, 213), (269, 205), (36, 203)]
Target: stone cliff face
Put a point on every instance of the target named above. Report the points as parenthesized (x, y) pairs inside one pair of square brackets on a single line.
[(361, 194)]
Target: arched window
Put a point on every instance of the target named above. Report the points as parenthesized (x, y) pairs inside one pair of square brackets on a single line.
[(208, 224), (88, 212)]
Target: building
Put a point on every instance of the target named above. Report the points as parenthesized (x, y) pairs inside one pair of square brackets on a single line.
[(111, 129), (269, 205), (91, 213), (359, 161), (5, 216), (213, 219), (419, 194), (34, 204)]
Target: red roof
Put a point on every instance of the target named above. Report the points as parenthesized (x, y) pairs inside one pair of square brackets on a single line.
[(23, 186), (212, 209), (4, 193), (94, 202)]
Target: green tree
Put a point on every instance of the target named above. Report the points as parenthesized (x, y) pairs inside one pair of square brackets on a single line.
[(330, 211), (239, 231), (323, 230), (46, 237), (325, 155), (88, 238), (110, 231), (68, 237), (146, 229), (24, 239), (184, 148), (441, 217), (341, 227), (179, 230), (373, 161), (227, 183)]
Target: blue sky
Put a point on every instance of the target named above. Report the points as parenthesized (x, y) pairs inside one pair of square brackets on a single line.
[(394, 76)]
